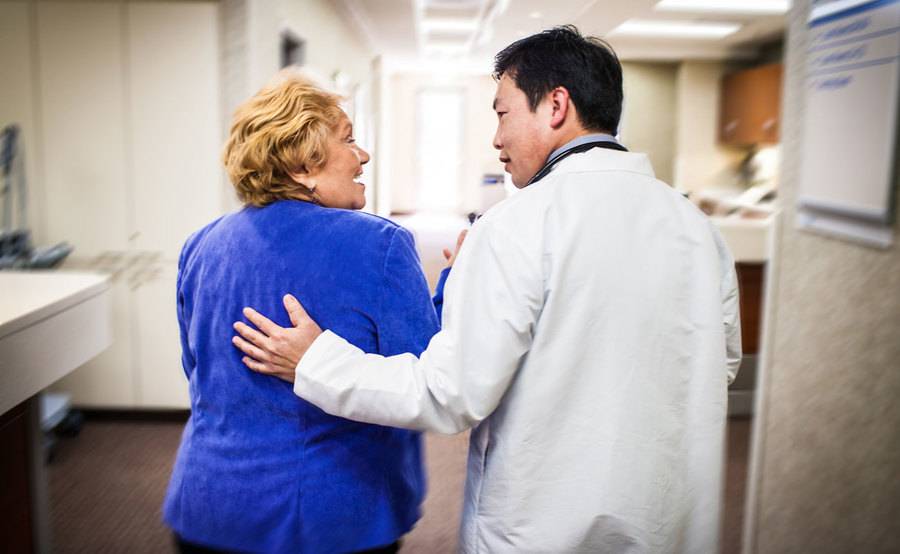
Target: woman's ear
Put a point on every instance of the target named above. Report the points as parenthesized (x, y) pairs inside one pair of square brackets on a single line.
[(302, 177)]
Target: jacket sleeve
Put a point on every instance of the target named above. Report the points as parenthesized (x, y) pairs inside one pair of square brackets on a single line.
[(438, 298), (187, 359), (493, 299), (406, 318)]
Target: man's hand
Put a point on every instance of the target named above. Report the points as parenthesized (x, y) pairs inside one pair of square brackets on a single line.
[(451, 256), (274, 350)]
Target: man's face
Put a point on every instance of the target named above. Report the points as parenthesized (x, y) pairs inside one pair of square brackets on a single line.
[(522, 135)]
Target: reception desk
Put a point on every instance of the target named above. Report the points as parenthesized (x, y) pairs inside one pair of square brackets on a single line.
[(50, 323)]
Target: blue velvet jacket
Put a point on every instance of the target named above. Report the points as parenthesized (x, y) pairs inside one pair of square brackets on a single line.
[(259, 469)]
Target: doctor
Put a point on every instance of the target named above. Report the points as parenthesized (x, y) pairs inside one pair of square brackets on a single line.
[(590, 329)]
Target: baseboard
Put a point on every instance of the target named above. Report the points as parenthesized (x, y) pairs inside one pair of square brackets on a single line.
[(173, 415), (740, 403)]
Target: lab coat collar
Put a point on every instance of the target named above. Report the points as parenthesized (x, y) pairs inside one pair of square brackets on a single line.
[(603, 159)]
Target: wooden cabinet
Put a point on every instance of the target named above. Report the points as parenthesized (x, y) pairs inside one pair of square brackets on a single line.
[(15, 474), (750, 109), (751, 283)]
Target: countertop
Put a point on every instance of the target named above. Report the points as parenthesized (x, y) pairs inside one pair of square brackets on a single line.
[(51, 322), (749, 239)]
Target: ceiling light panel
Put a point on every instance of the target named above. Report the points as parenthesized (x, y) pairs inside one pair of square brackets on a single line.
[(675, 29), (748, 7), (448, 25)]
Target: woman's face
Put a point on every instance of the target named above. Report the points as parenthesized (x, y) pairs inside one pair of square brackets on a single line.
[(336, 184)]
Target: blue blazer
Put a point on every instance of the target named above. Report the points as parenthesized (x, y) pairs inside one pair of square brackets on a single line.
[(259, 469)]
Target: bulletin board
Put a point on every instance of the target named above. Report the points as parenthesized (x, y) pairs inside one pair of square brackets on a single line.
[(849, 163)]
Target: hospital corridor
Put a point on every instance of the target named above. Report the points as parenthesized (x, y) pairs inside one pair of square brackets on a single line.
[(439, 276)]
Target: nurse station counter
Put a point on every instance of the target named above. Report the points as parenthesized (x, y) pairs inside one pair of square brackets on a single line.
[(50, 323)]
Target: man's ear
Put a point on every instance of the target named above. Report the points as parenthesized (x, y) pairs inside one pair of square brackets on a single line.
[(559, 102)]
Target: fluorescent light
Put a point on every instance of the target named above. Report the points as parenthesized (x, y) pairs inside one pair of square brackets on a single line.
[(445, 48), (726, 6), (535, 15), (449, 25), (675, 29)]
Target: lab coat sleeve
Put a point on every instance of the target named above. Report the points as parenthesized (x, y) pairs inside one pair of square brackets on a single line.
[(731, 309), (493, 299)]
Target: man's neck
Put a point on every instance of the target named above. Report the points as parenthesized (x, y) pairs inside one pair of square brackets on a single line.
[(569, 136), (577, 138)]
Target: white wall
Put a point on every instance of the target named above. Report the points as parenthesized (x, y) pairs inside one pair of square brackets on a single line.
[(701, 162), (479, 125), (331, 44), (251, 52), (17, 96), (649, 113)]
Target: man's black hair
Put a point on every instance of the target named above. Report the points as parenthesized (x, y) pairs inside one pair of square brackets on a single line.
[(586, 66)]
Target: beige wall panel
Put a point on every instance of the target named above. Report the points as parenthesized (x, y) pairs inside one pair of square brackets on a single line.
[(332, 44), (700, 162), (173, 63), (17, 103), (649, 113), (161, 379), (108, 381), (827, 458), (82, 97)]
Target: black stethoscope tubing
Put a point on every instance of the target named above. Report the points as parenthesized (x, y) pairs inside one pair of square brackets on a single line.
[(551, 163)]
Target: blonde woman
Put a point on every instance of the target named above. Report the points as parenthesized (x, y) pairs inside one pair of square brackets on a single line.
[(258, 469)]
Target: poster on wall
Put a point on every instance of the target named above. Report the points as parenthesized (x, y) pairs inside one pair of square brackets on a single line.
[(849, 164)]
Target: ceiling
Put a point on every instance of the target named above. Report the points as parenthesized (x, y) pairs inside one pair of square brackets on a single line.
[(394, 28)]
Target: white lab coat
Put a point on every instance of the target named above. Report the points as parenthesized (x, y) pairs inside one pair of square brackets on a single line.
[(590, 329)]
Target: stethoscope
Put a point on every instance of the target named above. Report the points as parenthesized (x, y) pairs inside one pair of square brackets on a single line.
[(551, 163)]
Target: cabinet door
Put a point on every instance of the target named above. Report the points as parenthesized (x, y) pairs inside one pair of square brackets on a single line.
[(175, 116), (108, 380), (161, 379), (82, 99), (750, 109)]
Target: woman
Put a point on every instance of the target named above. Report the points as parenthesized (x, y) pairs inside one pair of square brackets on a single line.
[(259, 470)]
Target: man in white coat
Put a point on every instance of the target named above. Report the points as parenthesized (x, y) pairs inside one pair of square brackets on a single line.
[(590, 329)]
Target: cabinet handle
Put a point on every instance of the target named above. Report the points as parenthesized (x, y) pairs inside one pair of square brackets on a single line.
[(768, 124), (731, 126)]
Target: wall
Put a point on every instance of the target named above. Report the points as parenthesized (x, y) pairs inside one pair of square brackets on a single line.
[(649, 113), (17, 98), (479, 156), (700, 162), (826, 450), (251, 32)]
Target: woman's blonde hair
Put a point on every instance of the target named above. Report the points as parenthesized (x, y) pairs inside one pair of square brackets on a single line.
[(283, 128)]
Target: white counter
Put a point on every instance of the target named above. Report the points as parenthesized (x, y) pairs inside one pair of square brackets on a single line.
[(51, 322), (748, 239)]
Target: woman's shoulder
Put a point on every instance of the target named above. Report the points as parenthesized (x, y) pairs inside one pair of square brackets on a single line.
[(367, 220), (368, 228)]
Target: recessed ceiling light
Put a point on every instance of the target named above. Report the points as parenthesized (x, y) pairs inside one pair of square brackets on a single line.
[(445, 46), (726, 6), (446, 24), (535, 15), (675, 29)]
